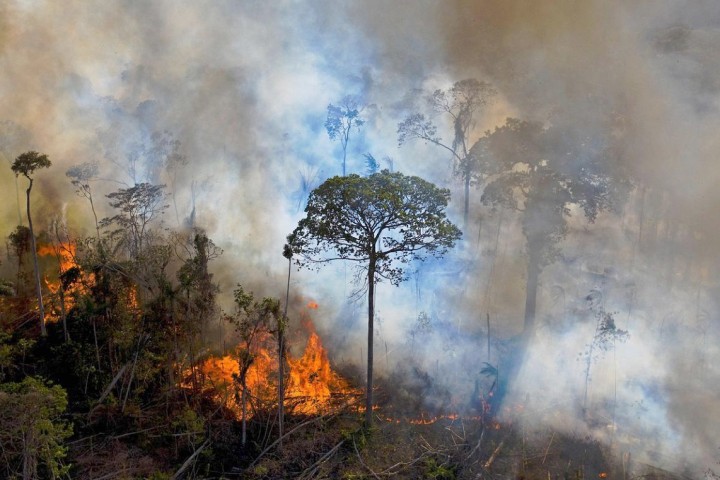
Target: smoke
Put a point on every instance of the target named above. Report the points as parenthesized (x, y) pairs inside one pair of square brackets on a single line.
[(243, 87)]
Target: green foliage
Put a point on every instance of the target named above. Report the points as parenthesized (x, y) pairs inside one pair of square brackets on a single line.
[(251, 319), (260, 470), (382, 222), (160, 476), (387, 218), (26, 164), (354, 476), (606, 336), (31, 429), (542, 172), (80, 176), (438, 471), (460, 103), (138, 206), (360, 437), (422, 326), (20, 240), (7, 361), (342, 117), (6, 288), (371, 164), (190, 425)]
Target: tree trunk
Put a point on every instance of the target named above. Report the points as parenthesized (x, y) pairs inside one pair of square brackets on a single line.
[(63, 313), (97, 348), (281, 383), (97, 225), (466, 206), (345, 140), (518, 346), (17, 194), (533, 273), (371, 315), (38, 286), (29, 461), (243, 401)]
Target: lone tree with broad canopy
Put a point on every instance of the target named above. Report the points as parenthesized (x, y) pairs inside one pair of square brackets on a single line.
[(381, 222)]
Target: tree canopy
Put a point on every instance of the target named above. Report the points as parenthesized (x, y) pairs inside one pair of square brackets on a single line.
[(461, 103), (387, 217), (542, 172), (341, 119), (26, 163)]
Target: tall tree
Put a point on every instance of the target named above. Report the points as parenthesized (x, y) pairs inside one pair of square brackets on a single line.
[(32, 431), (543, 173), (138, 206), (197, 293), (340, 121), (20, 242), (165, 153), (252, 319), (80, 176), (281, 326), (460, 104), (13, 140), (381, 222), (25, 165)]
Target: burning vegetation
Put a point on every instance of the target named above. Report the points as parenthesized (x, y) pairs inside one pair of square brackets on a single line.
[(312, 386), (133, 327), (525, 289)]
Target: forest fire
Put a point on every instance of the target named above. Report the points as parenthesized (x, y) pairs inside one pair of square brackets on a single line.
[(311, 381), (70, 280)]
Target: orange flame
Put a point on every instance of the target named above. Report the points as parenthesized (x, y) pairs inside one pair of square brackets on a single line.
[(311, 379), (132, 300), (62, 301), (312, 305), (220, 372)]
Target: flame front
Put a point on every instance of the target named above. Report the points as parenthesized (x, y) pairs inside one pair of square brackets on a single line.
[(63, 300), (312, 378), (311, 381)]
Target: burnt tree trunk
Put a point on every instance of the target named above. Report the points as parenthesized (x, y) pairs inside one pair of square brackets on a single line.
[(243, 394)]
